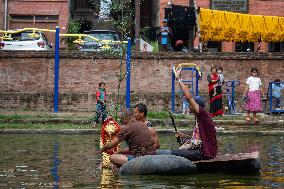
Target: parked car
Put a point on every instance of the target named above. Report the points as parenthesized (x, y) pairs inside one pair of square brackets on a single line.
[(92, 45), (26, 41)]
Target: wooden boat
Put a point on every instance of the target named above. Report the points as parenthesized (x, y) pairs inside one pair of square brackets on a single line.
[(242, 163)]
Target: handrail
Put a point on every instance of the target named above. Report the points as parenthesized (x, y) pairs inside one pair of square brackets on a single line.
[(79, 40), (187, 64)]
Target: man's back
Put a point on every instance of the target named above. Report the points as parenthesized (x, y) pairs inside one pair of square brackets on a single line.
[(138, 138)]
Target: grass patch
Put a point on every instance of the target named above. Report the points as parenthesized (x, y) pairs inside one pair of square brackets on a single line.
[(15, 116), (44, 126), (40, 116), (165, 115)]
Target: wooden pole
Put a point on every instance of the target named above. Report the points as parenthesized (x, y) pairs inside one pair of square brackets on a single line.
[(137, 24), (191, 31)]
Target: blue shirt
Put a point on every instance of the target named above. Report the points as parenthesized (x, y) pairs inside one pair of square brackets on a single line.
[(276, 90)]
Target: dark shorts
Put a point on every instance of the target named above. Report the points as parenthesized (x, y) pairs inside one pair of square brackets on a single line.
[(193, 155)]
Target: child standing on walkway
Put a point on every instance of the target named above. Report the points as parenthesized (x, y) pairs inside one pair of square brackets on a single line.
[(253, 92), (101, 104), (276, 93)]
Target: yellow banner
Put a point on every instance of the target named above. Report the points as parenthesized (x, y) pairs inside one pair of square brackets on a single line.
[(228, 26)]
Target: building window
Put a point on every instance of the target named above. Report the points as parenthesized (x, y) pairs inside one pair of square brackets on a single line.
[(81, 4), (212, 46), (31, 18), (244, 47), (276, 47)]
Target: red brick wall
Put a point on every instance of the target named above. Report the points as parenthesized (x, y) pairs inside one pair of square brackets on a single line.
[(268, 8), (32, 73), (28, 78)]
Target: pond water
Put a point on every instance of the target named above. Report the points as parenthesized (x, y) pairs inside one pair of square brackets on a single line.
[(72, 161)]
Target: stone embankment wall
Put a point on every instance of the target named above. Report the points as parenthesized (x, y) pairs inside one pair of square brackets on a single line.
[(26, 78)]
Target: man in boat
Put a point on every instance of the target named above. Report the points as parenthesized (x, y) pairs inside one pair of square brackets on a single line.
[(137, 136), (140, 114), (201, 143)]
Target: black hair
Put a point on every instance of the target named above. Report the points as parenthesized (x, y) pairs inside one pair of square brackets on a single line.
[(101, 83), (214, 67), (219, 68), (277, 82), (142, 108), (254, 70), (126, 116)]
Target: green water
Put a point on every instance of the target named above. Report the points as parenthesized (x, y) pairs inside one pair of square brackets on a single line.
[(71, 161)]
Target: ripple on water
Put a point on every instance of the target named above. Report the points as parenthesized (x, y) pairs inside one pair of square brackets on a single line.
[(27, 161)]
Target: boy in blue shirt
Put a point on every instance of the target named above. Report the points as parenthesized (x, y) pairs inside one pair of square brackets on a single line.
[(276, 93)]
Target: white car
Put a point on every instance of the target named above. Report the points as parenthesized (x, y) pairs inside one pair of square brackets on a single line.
[(26, 40)]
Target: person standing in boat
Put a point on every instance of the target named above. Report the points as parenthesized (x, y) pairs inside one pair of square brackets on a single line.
[(137, 136)]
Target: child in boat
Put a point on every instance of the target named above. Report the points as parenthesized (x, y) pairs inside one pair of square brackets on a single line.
[(252, 93)]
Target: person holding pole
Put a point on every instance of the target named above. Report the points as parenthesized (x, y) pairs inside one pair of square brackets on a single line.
[(201, 144)]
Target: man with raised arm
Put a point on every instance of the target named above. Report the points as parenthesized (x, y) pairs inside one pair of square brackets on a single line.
[(201, 143)]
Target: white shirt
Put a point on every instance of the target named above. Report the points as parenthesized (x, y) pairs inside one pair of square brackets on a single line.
[(254, 83)]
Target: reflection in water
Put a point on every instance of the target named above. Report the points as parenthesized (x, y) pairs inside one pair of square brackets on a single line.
[(54, 169), (30, 161)]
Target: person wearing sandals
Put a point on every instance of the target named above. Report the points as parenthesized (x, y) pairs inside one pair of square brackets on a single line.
[(252, 94)]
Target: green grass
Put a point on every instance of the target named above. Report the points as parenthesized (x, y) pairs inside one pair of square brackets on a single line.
[(155, 45), (88, 126), (44, 126), (151, 115), (165, 115), (37, 116), (15, 116)]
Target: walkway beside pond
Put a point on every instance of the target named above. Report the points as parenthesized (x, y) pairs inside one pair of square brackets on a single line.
[(79, 122)]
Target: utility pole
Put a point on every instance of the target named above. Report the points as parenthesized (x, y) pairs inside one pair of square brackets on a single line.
[(191, 31), (137, 24), (5, 15)]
